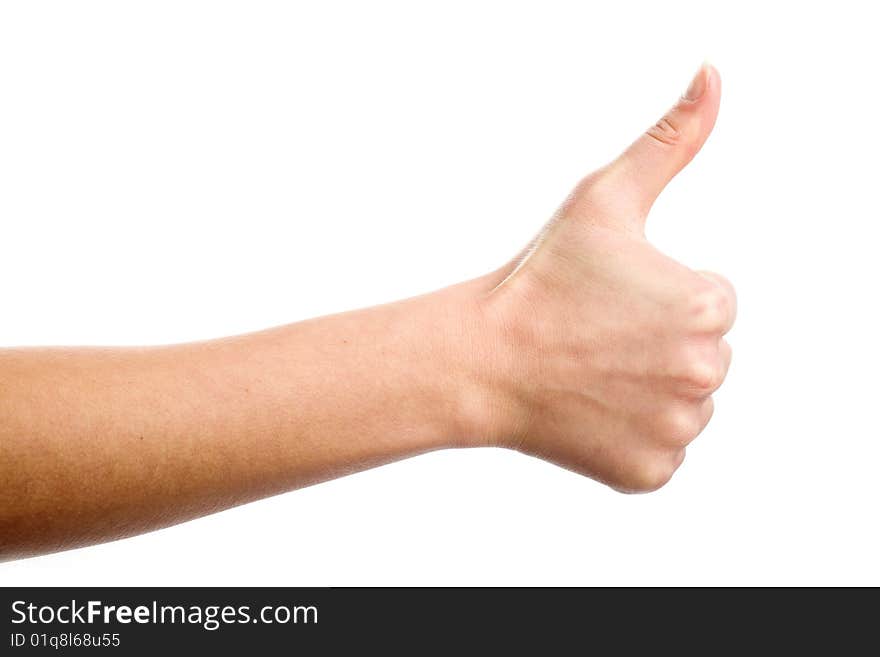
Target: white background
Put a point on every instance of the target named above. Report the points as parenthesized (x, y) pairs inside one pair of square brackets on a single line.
[(172, 171)]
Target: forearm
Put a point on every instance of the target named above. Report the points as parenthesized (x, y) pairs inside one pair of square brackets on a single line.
[(99, 443)]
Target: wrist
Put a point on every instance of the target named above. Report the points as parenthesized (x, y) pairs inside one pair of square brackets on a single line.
[(477, 358)]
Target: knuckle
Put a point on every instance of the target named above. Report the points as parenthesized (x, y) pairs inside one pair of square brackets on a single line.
[(678, 426), (675, 130), (702, 377), (600, 188), (710, 308), (665, 131), (650, 474)]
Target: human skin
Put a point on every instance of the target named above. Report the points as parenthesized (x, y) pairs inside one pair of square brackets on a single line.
[(591, 349)]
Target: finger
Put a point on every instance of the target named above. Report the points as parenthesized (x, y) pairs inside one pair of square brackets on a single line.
[(705, 409), (725, 354), (702, 414), (665, 148), (729, 302)]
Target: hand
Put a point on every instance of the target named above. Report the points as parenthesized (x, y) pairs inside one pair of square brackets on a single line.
[(605, 351)]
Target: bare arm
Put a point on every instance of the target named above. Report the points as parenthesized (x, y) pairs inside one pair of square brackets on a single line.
[(102, 443), (592, 350)]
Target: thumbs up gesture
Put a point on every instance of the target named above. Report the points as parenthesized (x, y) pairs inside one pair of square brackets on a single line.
[(605, 351)]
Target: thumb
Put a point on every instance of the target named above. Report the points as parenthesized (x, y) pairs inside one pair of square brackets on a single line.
[(665, 148)]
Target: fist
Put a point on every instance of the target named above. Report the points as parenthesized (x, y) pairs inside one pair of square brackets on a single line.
[(606, 352)]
